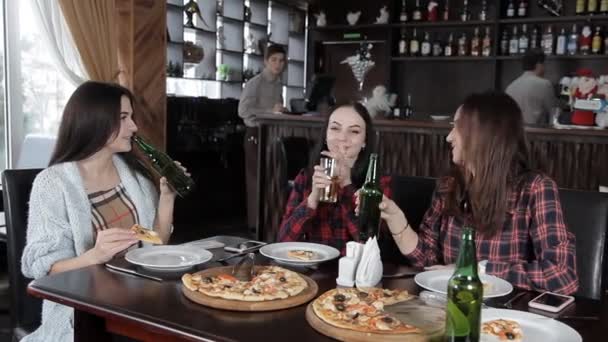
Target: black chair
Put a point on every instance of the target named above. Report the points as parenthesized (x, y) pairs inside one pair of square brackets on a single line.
[(413, 195), (586, 214), (294, 154), (25, 310)]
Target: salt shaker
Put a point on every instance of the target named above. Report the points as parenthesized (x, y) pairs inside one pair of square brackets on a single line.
[(348, 264)]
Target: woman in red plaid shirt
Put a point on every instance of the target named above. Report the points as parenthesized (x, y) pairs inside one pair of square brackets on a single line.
[(517, 211), (347, 137)]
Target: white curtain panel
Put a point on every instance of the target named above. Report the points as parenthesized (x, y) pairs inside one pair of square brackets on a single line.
[(56, 35)]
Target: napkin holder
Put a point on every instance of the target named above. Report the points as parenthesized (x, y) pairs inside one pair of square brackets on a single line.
[(348, 264), (369, 271)]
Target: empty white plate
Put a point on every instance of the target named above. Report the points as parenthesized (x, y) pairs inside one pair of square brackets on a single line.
[(534, 327), (278, 252), (437, 281), (168, 258)]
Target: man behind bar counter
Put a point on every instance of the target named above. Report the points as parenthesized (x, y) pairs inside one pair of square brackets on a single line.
[(533, 93), (262, 94)]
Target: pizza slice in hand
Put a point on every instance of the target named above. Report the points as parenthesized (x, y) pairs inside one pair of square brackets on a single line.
[(146, 235)]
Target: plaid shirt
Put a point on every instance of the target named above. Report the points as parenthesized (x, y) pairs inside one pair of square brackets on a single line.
[(533, 251), (330, 224)]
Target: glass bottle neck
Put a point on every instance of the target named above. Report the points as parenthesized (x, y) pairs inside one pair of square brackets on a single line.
[(371, 176), (467, 259)]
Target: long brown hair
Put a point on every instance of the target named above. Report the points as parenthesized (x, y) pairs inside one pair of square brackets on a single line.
[(91, 117), (495, 154)]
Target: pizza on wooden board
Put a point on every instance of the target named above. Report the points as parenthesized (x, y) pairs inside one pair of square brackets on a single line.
[(146, 235), (362, 310), (269, 283)]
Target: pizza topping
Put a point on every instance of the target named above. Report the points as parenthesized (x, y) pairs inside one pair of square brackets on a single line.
[(362, 294), (510, 335), (387, 319), (282, 279), (208, 280), (340, 307), (339, 297)]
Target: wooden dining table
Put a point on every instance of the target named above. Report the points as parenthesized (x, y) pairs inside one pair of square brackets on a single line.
[(107, 302)]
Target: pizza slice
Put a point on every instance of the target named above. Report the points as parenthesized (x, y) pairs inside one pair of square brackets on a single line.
[(146, 235), (301, 254), (503, 329)]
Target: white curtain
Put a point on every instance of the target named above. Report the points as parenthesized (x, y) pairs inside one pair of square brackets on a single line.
[(59, 40)]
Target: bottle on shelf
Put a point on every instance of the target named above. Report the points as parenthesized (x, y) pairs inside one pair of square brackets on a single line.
[(605, 44), (483, 13), (504, 43), (604, 7), (486, 45), (592, 7), (548, 41), (522, 9), (370, 197), (462, 45), (403, 14), (402, 46), (165, 167), (580, 7), (417, 12), (523, 40), (437, 50), (414, 44), (449, 47), (425, 47), (465, 290), (560, 45), (408, 110), (572, 46), (445, 16), (585, 39), (510, 9), (465, 15), (475, 43), (596, 43), (514, 42), (534, 39), (247, 14), (432, 10)]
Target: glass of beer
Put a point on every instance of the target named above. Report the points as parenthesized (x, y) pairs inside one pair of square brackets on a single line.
[(329, 194)]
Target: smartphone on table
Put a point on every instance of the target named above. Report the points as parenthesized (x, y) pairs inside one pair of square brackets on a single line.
[(552, 302), (244, 246)]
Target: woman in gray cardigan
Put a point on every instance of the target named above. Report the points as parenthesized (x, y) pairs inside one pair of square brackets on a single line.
[(70, 225)]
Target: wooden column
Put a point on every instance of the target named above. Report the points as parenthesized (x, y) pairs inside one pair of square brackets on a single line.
[(142, 57)]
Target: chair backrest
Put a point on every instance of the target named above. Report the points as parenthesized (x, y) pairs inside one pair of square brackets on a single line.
[(17, 185), (586, 214), (413, 195)]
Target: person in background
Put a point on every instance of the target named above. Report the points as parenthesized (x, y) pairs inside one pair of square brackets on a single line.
[(347, 137), (516, 211), (262, 94), (534, 94), (83, 205)]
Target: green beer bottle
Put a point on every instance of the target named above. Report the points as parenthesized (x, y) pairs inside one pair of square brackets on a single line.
[(465, 293), (164, 165), (370, 197)]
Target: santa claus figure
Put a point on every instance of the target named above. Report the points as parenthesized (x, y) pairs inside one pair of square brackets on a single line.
[(586, 89)]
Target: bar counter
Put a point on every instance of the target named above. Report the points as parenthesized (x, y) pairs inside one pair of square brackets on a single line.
[(575, 158)]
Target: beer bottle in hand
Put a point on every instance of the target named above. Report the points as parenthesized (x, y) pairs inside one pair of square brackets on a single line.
[(370, 197), (465, 292), (165, 166)]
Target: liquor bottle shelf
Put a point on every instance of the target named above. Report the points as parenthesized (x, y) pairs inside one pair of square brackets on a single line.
[(349, 27), (563, 19), (442, 59), (451, 23)]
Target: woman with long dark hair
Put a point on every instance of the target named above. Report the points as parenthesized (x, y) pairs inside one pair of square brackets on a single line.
[(348, 138), (516, 211), (95, 189)]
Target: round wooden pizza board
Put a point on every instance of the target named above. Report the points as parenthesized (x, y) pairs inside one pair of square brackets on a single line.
[(238, 305), (342, 334)]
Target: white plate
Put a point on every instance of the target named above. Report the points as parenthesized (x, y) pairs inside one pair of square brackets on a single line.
[(534, 327), (278, 252), (440, 117), (437, 281), (168, 258)]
